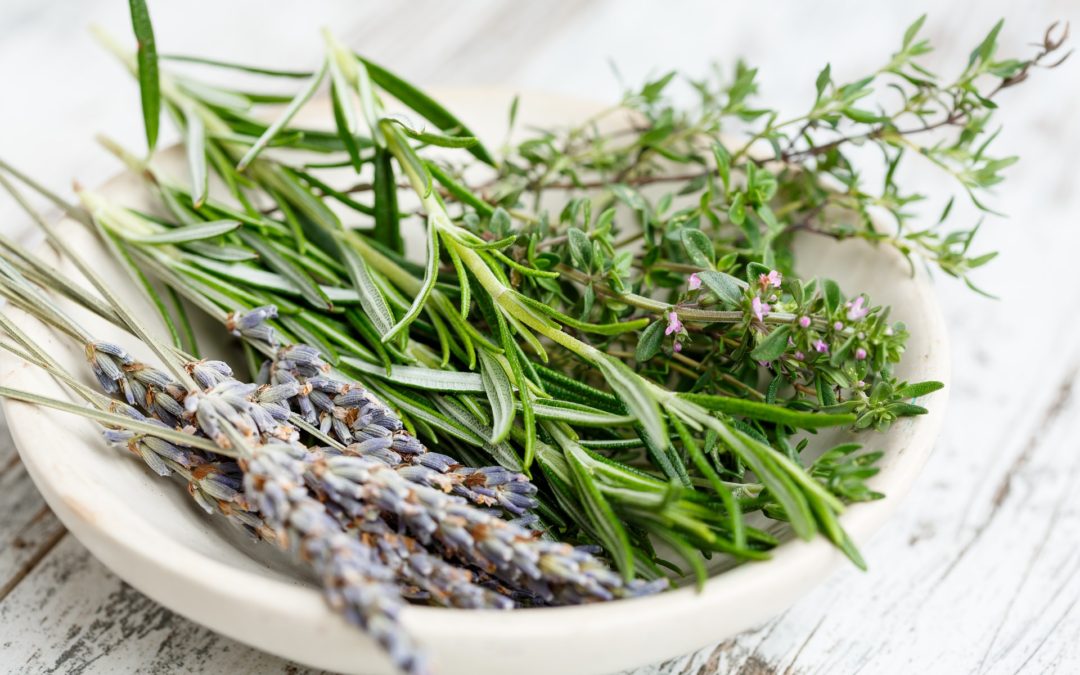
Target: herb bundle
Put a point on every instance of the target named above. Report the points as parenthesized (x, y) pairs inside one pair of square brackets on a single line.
[(607, 313)]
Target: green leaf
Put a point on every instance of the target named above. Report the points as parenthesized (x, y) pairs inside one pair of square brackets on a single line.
[(631, 389), (431, 275), (387, 226), (515, 357), (726, 287), (906, 409), (281, 122), (832, 294), (196, 155), (578, 414), (862, 116), (416, 377), (918, 389), (371, 299), (737, 210), (223, 252), (598, 511), (481, 245), (258, 70), (345, 118), (988, 46), (615, 328), (823, 79), (698, 247), (185, 234), (912, 31), (650, 341), (459, 191), (580, 248), (773, 346), (438, 140), (406, 156), (503, 453), (147, 64), (500, 395), (309, 290), (723, 164), (423, 105), (769, 412)]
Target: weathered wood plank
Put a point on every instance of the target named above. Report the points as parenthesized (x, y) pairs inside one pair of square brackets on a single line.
[(71, 615), (28, 530), (977, 573)]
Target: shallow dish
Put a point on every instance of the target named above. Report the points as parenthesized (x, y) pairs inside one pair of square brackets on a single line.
[(148, 531)]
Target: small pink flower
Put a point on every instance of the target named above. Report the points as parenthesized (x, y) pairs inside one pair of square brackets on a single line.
[(799, 356), (860, 354), (856, 310), (759, 308), (889, 331), (838, 326), (804, 321), (677, 347), (821, 347), (673, 324), (773, 278), (695, 282)]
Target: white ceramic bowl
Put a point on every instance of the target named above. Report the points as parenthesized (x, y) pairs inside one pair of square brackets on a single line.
[(147, 530)]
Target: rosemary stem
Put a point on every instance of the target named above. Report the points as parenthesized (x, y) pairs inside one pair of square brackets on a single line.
[(114, 420)]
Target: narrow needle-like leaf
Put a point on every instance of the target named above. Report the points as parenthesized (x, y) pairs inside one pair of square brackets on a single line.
[(280, 123), (196, 156), (147, 60)]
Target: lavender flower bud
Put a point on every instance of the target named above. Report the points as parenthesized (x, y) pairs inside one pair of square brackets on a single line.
[(252, 324)]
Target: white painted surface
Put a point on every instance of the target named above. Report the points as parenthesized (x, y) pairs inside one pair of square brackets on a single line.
[(978, 570)]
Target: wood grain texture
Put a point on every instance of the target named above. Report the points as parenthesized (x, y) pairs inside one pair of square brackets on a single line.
[(978, 572)]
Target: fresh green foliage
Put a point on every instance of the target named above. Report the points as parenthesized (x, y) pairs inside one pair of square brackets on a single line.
[(644, 346)]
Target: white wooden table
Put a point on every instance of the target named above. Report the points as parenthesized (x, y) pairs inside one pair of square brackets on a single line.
[(979, 571)]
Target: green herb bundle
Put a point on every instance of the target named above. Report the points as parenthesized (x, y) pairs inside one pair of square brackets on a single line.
[(611, 308)]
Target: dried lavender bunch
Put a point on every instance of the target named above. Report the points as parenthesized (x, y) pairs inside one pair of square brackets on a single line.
[(365, 477), (217, 486), (554, 572)]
